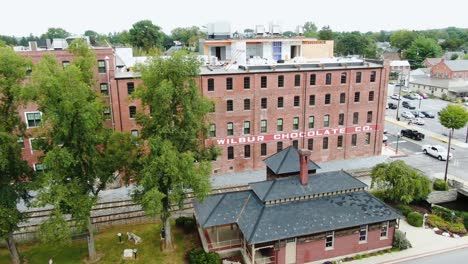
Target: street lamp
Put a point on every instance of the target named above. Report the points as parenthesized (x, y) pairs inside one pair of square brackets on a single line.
[(398, 135)]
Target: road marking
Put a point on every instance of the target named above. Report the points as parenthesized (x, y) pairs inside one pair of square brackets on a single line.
[(417, 153), (399, 141)]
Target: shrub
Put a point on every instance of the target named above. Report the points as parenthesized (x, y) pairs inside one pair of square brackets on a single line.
[(465, 218), (446, 213), (400, 241), (378, 194), (457, 228), (404, 209), (186, 223), (415, 219), (440, 185), (436, 221), (199, 256)]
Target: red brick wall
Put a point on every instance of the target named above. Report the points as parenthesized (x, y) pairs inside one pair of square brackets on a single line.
[(441, 68), (122, 102)]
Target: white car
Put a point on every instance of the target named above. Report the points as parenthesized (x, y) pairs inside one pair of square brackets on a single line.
[(405, 89), (417, 121), (436, 151), (407, 114), (395, 97)]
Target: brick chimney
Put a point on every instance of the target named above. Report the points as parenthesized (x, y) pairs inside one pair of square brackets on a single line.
[(304, 155)]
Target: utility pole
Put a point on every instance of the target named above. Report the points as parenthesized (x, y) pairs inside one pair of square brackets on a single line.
[(402, 81)]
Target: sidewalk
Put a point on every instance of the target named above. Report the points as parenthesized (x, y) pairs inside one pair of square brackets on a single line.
[(435, 136), (425, 243)]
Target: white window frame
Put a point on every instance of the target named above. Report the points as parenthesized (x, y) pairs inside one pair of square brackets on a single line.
[(366, 229), (31, 145), (385, 225), (26, 118), (35, 166), (332, 235)]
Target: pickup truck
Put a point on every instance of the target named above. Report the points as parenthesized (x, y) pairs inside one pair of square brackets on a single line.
[(413, 134), (435, 151)]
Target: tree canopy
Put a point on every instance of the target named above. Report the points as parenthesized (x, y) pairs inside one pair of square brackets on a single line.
[(189, 36), (355, 43), (325, 33), (402, 39), (310, 29), (55, 33), (453, 116), (422, 48), (400, 183), (146, 35)]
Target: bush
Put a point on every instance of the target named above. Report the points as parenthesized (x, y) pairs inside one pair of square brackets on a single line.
[(440, 185), (199, 256), (186, 223), (436, 221), (400, 241), (404, 209), (446, 213), (457, 228), (378, 194), (465, 218), (415, 219)]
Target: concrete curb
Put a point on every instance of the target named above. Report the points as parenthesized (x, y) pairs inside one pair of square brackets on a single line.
[(440, 139), (426, 254)]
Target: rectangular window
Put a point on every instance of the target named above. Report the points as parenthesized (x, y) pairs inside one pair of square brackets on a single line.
[(230, 152), (353, 140), (21, 142), (384, 230), (369, 117), (280, 81), (310, 144), (297, 100), (358, 77), (212, 130), (101, 66), (343, 77), (229, 83), (280, 102), (355, 118), (363, 234), (130, 88), (263, 82), (312, 99), (296, 123), (342, 98), (132, 111), (367, 142), (229, 106), (328, 79), (295, 143), (341, 119), (247, 104), (104, 90), (279, 124), (279, 146), (372, 76), (327, 99), (230, 129), (210, 85), (246, 127), (357, 97), (325, 143), (107, 113), (311, 121), (65, 63), (134, 132), (34, 143), (297, 80), (247, 151), (246, 82), (264, 103), (371, 96), (263, 149), (39, 168), (326, 121), (339, 142), (263, 126), (329, 239), (33, 119), (313, 79)]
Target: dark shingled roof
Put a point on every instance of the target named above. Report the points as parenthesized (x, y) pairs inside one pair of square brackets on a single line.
[(290, 187), (287, 161)]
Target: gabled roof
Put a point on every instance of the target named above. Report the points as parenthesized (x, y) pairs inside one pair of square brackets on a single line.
[(457, 65), (291, 187), (287, 161), (433, 61)]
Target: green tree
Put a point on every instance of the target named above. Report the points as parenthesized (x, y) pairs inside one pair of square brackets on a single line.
[(289, 34), (452, 117), (80, 154), (400, 183), (422, 48), (55, 33), (402, 39), (355, 43), (10, 41), (15, 174), (94, 37), (144, 34), (177, 159), (325, 33), (189, 36), (310, 29)]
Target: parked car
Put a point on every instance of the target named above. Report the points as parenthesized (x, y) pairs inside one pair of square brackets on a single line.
[(392, 105), (428, 114), (407, 114), (424, 95), (405, 89), (417, 97), (384, 139), (408, 105), (418, 114), (417, 121), (413, 134), (436, 151), (395, 97), (408, 96)]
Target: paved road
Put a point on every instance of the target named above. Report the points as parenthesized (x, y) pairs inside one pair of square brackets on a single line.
[(456, 256)]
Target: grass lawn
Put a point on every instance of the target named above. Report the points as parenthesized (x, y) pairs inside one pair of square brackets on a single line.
[(149, 251)]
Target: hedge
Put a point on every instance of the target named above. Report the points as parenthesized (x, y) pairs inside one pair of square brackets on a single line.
[(404, 209), (186, 223), (199, 256), (400, 241), (415, 219), (440, 185)]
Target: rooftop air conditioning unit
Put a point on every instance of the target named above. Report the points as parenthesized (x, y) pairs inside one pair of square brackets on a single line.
[(259, 30), (299, 30)]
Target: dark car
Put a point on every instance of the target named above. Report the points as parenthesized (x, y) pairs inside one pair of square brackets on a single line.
[(408, 105), (413, 134), (408, 96), (392, 105), (418, 114), (428, 114)]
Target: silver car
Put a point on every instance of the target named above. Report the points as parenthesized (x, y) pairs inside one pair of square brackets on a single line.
[(407, 114)]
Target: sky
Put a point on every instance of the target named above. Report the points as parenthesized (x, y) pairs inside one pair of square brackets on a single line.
[(20, 18)]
